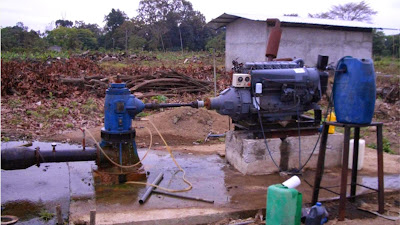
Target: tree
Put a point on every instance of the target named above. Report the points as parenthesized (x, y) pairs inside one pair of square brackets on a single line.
[(128, 35), (167, 21), (90, 26), (64, 23), (217, 42), (72, 38), (114, 19), (18, 38), (351, 11), (378, 43)]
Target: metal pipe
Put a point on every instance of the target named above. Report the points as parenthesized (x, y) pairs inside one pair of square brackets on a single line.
[(151, 188), (274, 39), (22, 158), (182, 196), (381, 187), (194, 104), (165, 105)]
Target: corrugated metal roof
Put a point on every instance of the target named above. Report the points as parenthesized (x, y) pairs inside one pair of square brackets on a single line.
[(227, 18)]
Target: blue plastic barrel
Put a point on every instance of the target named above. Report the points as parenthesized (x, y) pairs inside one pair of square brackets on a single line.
[(354, 90)]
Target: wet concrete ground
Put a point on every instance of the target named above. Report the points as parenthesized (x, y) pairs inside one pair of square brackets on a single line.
[(71, 186)]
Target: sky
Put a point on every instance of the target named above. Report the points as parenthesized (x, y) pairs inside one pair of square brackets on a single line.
[(42, 14)]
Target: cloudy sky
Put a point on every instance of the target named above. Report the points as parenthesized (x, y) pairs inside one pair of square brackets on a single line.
[(41, 14)]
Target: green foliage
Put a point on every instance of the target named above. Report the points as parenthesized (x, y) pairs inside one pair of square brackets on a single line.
[(89, 106), (385, 45), (5, 139), (69, 125), (73, 104), (170, 21), (59, 112), (45, 215), (217, 42), (72, 38), (18, 39), (87, 38), (114, 19), (143, 114), (378, 42), (387, 65), (64, 23), (386, 146), (41, 56), (160, 25), (159, 98), (136, 42)]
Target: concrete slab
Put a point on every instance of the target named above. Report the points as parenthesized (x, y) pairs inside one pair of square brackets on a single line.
[(44, 188), (235, 195), (251, 157)]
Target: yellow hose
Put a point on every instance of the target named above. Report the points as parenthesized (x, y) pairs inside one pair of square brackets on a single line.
[(119, 165), (169, 151)]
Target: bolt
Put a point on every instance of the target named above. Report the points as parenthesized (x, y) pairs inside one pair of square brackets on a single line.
[(54, 146)]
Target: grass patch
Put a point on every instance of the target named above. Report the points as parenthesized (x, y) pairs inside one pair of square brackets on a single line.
[(114, 64), (45, 215), (60, 112), (386, 146), (89, 106), (159, 98), (387, 65), (143, 114), (41, 56)]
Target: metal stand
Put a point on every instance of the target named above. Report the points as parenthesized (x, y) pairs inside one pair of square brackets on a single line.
[(343, 183)]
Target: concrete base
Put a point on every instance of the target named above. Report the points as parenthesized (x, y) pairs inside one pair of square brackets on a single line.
[(251, 157)]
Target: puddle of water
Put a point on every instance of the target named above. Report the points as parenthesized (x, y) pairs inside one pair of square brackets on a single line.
[(211, 176), (24, 210), (25, 192), (389, 181)]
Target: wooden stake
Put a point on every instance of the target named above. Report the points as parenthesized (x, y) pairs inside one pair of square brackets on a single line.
[(59, 215), (92, 217)]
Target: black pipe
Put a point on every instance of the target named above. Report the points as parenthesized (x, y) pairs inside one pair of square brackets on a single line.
[(151, 188), (22, 158), (165, 105)]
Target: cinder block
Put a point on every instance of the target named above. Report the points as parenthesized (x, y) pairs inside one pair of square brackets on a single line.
[(251, 157)]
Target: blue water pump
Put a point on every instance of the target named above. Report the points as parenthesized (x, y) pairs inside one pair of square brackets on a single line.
[(120, 107), (118, 136)]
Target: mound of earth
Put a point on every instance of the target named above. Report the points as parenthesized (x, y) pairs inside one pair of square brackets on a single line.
[(179, 126)]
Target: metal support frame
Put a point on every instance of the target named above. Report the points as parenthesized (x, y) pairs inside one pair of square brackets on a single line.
[(345, 158)]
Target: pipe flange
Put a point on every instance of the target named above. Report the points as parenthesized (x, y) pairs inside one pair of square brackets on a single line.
[(125, 136)]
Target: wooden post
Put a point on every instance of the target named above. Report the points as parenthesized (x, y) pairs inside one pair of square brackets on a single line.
[(60, 220), (92, 217), (215, 75)]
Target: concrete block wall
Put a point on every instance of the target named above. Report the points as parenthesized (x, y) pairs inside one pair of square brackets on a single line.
[(247, 41), (251, 157)]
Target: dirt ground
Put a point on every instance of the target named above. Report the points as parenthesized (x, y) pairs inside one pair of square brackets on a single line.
[(180, 127), (46, 114)]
